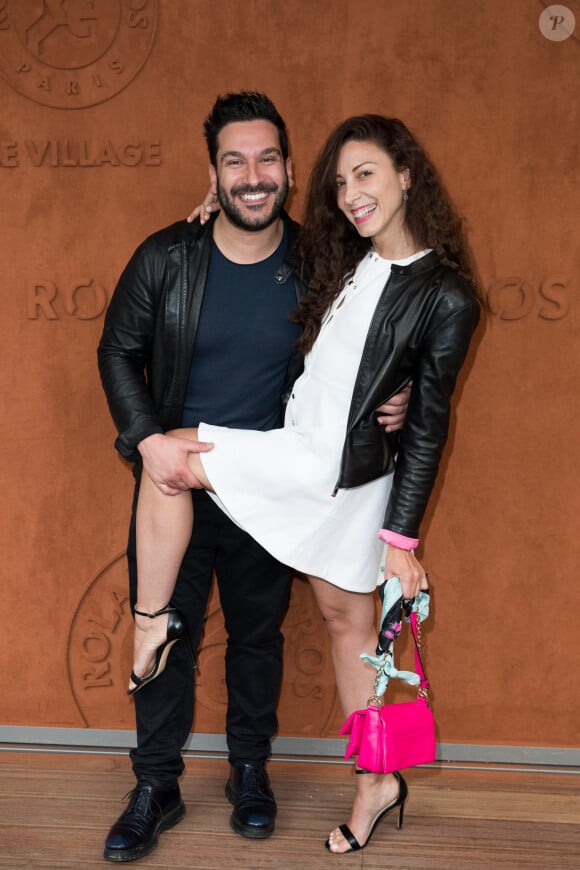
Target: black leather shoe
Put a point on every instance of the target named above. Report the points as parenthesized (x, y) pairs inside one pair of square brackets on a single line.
[(248, 789), (151, 810)]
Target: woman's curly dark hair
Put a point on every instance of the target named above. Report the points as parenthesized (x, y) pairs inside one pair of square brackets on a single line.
[(331, 245)]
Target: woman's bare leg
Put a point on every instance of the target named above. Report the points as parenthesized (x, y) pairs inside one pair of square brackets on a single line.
[(350, 619), (164, 526)]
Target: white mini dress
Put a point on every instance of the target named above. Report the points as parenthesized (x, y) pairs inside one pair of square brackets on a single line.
[(278, 485)]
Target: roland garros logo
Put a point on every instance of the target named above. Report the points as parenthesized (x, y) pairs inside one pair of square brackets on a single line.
[(69, 54)]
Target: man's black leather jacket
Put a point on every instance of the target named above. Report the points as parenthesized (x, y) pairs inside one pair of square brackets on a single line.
[(420, 331), (148, 338)]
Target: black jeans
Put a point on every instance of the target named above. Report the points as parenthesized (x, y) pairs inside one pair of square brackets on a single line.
[(254, 590)]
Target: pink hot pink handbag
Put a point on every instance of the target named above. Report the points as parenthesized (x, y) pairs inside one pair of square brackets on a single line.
[(394, 736)]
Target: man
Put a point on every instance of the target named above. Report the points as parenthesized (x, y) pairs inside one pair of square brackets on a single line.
[(198, 329)]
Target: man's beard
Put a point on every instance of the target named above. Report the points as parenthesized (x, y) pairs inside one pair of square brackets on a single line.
[(260, 221)]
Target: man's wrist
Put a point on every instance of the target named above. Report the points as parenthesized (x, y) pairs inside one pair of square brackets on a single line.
[(147, 441)]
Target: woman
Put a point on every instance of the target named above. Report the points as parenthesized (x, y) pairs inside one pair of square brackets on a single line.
[(393, 297)]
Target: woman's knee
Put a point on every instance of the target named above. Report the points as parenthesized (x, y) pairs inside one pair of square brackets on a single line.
[(339, 620), (344, 613)]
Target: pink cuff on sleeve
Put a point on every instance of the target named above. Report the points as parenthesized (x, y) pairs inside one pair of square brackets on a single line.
[(400, 541)]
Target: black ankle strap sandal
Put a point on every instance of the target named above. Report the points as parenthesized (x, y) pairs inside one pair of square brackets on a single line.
[(167, 609), (176, 631)]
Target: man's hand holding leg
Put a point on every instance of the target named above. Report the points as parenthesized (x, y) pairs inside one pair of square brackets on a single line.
[(392, 413), (165, 461)]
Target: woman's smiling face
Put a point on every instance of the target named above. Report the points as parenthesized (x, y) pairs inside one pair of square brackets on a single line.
[(370, 194)]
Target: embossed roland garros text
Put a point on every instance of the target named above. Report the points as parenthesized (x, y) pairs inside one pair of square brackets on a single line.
[(515, 298)]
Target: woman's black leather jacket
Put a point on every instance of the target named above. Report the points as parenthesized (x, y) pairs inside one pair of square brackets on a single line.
[(420, 331), (149, 334)]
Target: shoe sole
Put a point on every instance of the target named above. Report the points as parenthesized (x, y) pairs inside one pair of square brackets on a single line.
[(251, 833), (171, 819)]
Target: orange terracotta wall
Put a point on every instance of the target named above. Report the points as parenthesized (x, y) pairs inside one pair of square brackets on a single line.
[(100, 144)]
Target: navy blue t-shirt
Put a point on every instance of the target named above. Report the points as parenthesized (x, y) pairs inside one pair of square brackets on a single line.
[(243, 345)]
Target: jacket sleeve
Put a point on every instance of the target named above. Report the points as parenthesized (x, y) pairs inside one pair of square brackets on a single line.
[(124, 352), (426, 427)]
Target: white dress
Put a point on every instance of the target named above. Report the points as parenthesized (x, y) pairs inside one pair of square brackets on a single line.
[(278, 485)]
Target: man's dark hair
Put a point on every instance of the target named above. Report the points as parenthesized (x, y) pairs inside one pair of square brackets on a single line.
[(245, 106)]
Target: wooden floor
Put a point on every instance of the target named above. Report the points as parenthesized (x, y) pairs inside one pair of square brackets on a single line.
[(56, 809)]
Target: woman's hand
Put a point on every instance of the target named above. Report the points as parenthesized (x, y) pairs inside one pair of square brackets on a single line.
[(404, 565), (207, 208)]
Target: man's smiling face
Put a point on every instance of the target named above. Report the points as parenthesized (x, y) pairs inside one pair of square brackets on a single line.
[(252, 176)]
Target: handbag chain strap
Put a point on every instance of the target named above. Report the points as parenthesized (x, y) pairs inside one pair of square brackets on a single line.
[(423, 689), (376, 699)]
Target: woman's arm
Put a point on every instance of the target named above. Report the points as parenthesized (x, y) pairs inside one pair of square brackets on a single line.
[(426, 428), (421, 444)]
